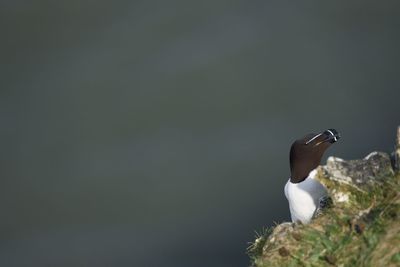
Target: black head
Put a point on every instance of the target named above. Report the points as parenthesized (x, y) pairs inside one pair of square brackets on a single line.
[(306, 153)]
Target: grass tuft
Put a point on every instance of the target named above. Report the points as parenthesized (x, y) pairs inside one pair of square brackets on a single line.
[(363, 232)]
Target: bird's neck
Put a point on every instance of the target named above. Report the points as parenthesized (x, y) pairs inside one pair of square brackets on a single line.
[(301, 171)]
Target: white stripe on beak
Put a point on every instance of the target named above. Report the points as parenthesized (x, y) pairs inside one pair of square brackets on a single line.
[(312, 139), (334, 137)]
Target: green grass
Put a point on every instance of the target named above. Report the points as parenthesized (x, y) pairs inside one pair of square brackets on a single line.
[(362, 232)]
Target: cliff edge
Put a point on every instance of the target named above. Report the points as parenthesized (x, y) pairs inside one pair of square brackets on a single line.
[(360, 226)]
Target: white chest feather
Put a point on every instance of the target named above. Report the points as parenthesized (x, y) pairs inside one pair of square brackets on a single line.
[(304, 198)]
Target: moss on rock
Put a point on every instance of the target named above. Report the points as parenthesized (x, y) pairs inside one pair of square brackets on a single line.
[(361, 228)]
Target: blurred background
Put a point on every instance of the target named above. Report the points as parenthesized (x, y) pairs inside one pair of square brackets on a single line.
[(143, 133)]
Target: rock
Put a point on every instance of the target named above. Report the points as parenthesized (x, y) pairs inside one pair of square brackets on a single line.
[(352, 228), (346, 178), (362, 173), (395, 156)]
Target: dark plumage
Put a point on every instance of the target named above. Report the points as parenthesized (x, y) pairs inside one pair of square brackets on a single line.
[(306, 153)]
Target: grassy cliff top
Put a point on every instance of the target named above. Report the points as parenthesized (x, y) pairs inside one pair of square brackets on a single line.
[(360, 228)]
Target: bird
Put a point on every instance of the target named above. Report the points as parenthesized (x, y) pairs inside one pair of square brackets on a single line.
[(303, 192)]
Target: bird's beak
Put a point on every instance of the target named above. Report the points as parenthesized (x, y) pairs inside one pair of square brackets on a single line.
[(331, 136)]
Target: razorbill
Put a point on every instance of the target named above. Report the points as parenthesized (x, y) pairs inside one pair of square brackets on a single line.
[(302, 191)]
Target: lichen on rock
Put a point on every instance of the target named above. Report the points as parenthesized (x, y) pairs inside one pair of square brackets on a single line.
[(360, 228), (395, 156), (348, 181)]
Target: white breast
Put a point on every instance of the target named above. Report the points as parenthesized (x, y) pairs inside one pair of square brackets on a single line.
[(304, 198)]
